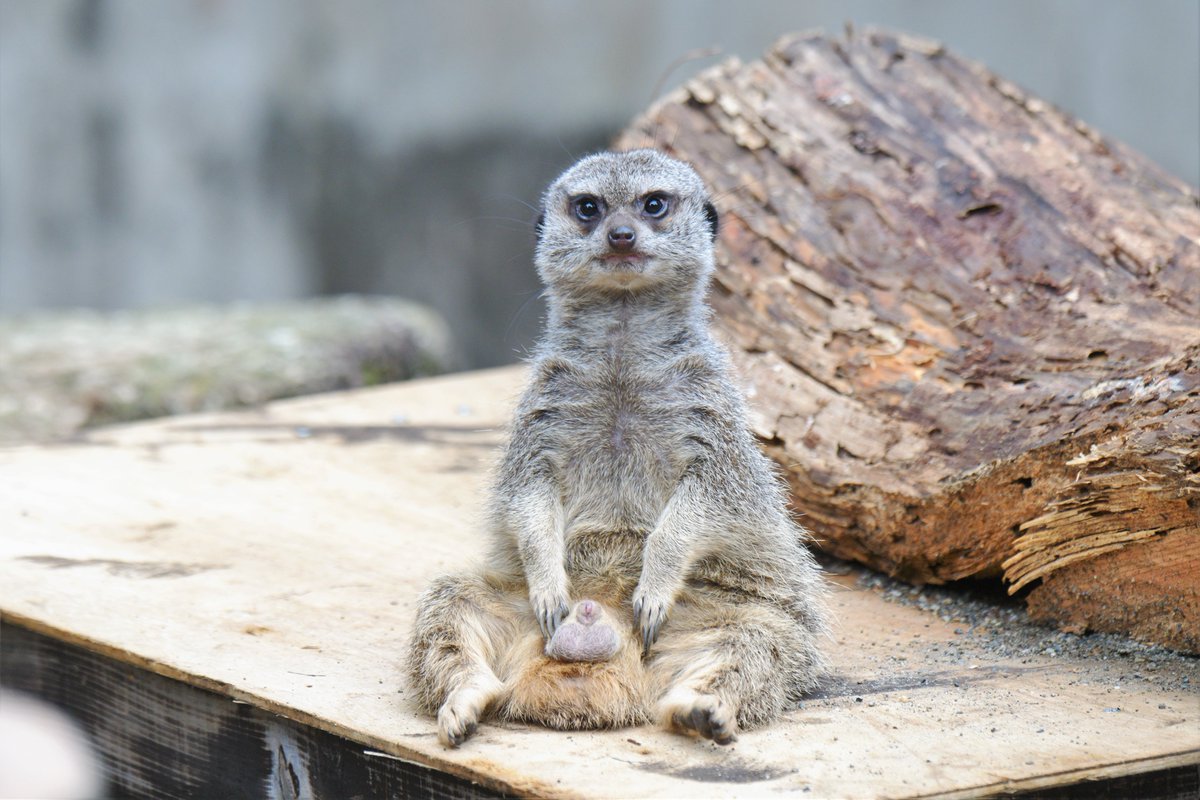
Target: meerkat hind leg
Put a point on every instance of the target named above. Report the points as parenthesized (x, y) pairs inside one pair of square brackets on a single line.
[(719, 667), (463, 626)]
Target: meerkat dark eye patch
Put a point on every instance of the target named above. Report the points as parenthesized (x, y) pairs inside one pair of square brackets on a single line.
[(710, 211), (587, 208), (656, 205)]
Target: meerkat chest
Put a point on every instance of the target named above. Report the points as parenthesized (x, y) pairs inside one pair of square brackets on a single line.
[(630, 419), (623, 443)]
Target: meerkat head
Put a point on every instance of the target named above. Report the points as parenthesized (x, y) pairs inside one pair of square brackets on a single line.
[(626, 222)]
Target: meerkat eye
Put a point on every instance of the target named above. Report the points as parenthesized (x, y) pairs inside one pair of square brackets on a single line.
[(587, 208), (655, 205)]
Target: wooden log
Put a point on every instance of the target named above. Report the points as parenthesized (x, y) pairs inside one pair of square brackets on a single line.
[(970, 323), (63, 371)]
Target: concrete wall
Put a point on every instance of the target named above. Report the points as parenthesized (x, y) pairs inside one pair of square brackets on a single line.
[(163, 152)]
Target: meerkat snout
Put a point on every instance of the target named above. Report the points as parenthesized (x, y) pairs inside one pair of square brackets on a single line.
[(621, 238)]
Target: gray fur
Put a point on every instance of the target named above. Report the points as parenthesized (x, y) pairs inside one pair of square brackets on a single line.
[(631, 476)]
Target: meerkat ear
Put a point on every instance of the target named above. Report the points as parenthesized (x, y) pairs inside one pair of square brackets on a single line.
[(539, 225), (710, 211)]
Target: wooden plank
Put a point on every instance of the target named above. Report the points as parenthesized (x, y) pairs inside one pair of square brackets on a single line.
[(274, 557)]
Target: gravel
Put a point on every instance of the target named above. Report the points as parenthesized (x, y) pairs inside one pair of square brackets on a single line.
[(1000, 628)]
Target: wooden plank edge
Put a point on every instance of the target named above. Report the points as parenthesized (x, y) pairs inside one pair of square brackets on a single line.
[(297, 726), (161, 738), (112, 653), (1094, 779)]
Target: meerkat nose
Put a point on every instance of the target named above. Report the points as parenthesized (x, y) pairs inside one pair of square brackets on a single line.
[(621, 238)]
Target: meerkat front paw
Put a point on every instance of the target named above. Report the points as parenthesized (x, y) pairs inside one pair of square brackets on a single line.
[(706, 715), (551, 607), (650, 611)]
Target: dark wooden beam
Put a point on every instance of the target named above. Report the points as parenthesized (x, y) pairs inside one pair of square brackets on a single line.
[(161, 739)]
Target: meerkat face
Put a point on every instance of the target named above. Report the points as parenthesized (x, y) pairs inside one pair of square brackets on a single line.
[(625, 222)]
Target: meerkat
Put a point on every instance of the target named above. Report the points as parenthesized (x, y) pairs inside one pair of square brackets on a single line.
[(632, 484)]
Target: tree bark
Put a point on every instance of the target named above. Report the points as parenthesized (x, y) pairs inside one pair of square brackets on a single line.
[(970, 324)]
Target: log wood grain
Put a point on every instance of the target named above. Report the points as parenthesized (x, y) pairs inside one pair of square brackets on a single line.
[(970, 324)]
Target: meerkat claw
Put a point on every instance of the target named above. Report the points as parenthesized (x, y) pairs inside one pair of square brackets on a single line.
[(650, 634), (704, 715), (550, 615), (456, 738), (556, 618), (649, 618)]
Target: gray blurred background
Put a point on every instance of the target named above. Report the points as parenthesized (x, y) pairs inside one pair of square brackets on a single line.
[(163, 153)]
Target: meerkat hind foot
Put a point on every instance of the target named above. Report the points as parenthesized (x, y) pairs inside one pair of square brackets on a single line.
[(458, 718), (706, 715)]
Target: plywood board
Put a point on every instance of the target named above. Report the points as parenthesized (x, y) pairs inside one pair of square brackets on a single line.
[(275, 556)]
